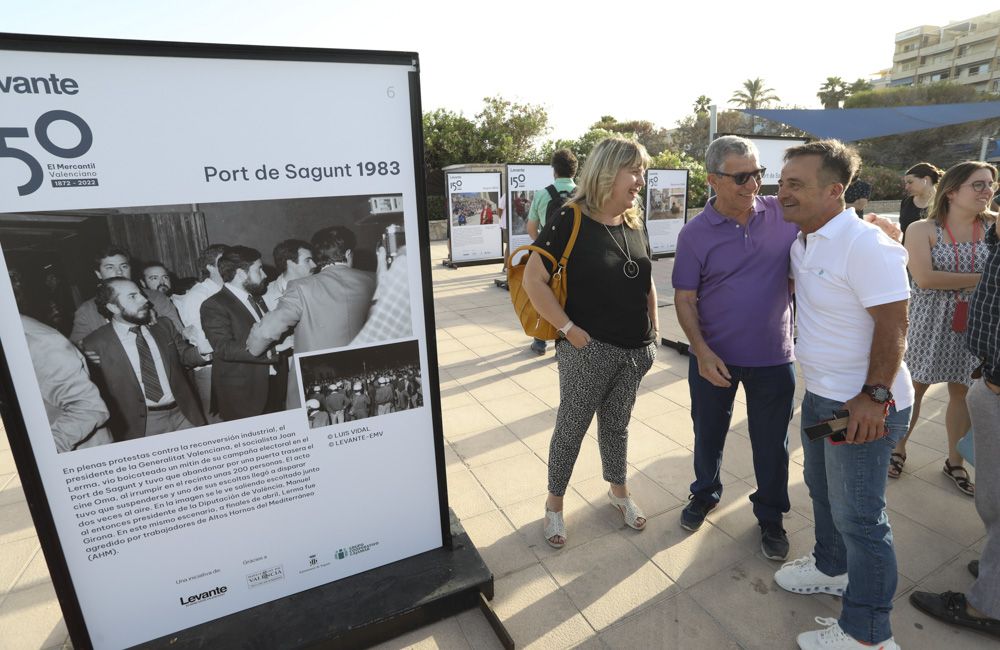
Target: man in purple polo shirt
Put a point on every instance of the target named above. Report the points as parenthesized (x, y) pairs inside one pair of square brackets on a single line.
[(733, 301)]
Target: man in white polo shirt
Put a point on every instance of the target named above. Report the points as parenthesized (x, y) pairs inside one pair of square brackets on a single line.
[(851, 295)]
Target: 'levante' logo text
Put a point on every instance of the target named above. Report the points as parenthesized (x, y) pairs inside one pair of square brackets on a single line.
[(205, 595), (50, 85)]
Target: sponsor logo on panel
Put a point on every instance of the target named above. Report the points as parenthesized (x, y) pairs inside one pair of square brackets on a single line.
[(265, 576), (195, 599), (354, 549)]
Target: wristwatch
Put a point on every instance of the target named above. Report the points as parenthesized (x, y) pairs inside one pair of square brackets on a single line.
[(879, 393), (564, 330)]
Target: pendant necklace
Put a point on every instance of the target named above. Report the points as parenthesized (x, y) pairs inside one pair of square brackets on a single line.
[(630, 268)]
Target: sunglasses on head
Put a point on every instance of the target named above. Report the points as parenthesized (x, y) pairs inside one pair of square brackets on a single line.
[(744, 177)]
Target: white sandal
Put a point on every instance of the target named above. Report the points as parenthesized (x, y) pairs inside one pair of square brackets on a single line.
[(554, 527), (631, 513)]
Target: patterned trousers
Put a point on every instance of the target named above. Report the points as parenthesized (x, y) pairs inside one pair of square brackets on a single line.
[(600, 378)]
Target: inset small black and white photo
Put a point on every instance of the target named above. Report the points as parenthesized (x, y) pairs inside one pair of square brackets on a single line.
[(360, 383)]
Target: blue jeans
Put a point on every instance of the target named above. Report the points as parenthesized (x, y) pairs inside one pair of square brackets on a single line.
[(847, 487), (770, 392)]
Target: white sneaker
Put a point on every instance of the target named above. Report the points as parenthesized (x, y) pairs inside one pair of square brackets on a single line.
[(832, 637), (802, 577)]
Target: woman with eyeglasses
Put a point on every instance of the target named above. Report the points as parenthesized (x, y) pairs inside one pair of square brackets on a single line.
[(947, 255), (919, 183), (608, 327)]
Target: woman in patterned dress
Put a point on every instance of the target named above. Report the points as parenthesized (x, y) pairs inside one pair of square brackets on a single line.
[(947, 254)]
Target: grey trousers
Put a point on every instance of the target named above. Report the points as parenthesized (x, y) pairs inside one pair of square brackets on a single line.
[(603, 379), (984, 408)]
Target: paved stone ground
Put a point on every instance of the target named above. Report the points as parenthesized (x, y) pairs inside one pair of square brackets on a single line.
[(610, 586)]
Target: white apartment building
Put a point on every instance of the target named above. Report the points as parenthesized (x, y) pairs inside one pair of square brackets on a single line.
[(965, 52)]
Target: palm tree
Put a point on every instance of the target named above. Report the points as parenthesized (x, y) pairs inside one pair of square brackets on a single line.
[(754, 95), (833, 92), (859, 86), (701, 104)]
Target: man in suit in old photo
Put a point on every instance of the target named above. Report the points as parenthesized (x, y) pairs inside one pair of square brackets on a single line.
[(326, 310), (244, 383), (141, 363)]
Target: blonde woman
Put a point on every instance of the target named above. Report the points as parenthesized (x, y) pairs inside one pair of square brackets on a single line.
[(947, 255), (609, 325)]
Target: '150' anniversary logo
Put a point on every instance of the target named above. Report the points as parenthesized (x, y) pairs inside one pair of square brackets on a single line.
[(41, 130)]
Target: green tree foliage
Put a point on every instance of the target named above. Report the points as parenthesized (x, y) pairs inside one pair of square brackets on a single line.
[(503, 131), (701, 104), (859, 86), (448, 139), (507, 131), (835, 90), (581, 146), (886, 183), (697, 177), (943, 146), (648, 134), (941, 92), (754, 94), (690, 137), (832, 92)]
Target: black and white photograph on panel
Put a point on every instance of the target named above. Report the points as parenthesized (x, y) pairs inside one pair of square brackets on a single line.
[(360, 383), (475, 208), (148, 320)]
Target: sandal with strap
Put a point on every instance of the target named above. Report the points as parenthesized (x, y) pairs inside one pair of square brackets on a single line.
[(896, 461), (960, 475), (554, 527), (631, 513)]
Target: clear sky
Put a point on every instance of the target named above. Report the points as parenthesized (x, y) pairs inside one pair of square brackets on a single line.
[(644, 59)]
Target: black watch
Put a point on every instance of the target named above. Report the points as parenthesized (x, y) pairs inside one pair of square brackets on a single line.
[(879, 393)]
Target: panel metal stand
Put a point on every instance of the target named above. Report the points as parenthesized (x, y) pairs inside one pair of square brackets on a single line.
[(450, 263), (680, 346)]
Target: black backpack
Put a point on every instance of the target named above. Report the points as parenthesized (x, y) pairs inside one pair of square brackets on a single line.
[(556, 201)]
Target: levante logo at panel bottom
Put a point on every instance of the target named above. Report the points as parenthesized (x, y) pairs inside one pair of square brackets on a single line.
[(203, 596)]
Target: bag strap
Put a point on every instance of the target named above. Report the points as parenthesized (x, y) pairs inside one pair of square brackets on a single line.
[(577, 219), (530, 248), (557, 268), (553, 192)]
